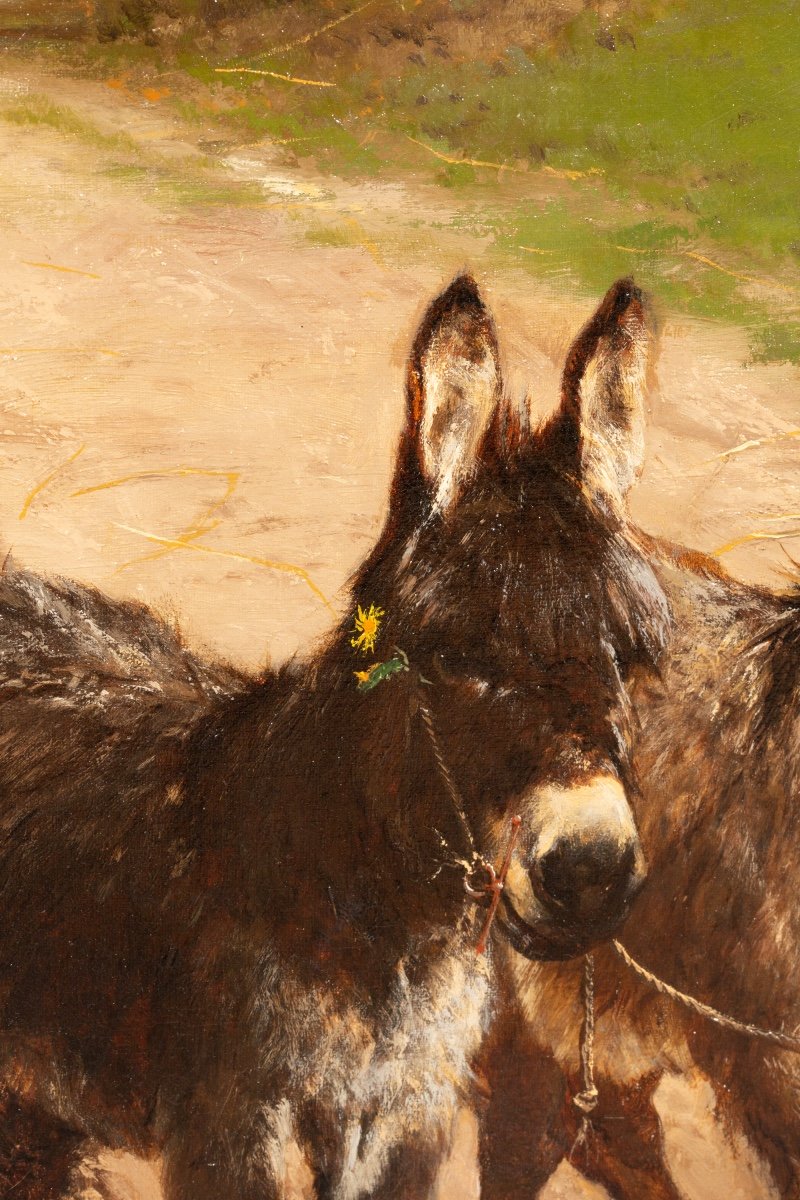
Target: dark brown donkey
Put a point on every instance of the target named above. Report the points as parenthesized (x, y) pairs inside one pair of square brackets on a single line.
[(233, 911), (718, 770)]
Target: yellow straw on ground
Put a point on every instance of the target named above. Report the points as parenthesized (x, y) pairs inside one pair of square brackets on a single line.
[(273, 75), (758, 535), (55, 267), (270, 564), (753, 444), (31, 496)]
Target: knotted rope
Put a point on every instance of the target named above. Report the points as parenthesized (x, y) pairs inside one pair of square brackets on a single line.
[(587, 1098), (492, 886)]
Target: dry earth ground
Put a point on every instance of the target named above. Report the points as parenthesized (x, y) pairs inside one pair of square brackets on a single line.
[(206, 391)]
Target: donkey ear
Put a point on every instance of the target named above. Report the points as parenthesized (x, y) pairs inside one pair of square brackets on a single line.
[(452, 385), (604, 388)]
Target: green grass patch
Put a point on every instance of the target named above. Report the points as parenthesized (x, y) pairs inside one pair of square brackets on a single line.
[(690, 110), (684, 116), (693, 110), (196, 181), (335, 235), (775, 341), (197, 192), (38, 110), (553, 240), (688, 107), (187, 184)]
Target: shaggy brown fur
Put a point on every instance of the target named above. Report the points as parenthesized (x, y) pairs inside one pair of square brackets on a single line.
[(717, 770), (228, 917)]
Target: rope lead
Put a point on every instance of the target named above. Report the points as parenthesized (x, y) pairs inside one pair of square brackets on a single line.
[(587, 1098), (786, 1041)]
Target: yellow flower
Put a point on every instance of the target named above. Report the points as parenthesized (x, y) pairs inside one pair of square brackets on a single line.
[(363, 676), (367, 626)]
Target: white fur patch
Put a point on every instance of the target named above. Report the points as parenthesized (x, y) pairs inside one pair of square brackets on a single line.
[(460, 395), (581, 811), (408, 1072), (613, 415)]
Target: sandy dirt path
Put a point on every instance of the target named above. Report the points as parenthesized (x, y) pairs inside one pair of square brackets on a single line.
[(212, 376)]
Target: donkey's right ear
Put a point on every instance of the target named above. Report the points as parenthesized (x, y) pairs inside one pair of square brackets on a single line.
[(452, 388)]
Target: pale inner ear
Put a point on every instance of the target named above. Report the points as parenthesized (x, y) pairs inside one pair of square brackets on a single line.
[(612, 408), (461, 387)]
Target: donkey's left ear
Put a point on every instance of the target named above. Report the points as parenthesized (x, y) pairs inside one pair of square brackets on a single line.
[(604, 391), (453, 384)]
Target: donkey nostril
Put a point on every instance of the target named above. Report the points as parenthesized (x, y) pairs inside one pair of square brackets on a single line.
[(588, 876)]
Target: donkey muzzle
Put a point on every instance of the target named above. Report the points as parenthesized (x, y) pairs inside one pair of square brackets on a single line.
[(584, 866)]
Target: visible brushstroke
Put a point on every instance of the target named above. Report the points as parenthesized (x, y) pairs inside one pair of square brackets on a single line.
[(367, 626), (38, 110), (566, 173), (326, 28), (68, 270), (202, 524), (269, 563), (461, 160), (45, 483), (756, 535), (155, 95), (773, 520), (369, 244), (754, 444), (378, 672), (273, 75), (709, 262), (60, 350), (634, 249), (158, 473)]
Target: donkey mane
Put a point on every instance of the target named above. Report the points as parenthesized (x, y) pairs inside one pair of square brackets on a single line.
[(775, 652), (755, 727)]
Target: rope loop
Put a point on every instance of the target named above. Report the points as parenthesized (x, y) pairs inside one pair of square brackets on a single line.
[(489, 889), (475, 888), (587, 1100)]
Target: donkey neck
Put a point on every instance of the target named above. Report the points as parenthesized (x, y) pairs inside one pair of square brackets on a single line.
[(314, 794)]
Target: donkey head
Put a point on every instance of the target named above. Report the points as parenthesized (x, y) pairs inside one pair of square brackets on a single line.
[(512, 581)]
